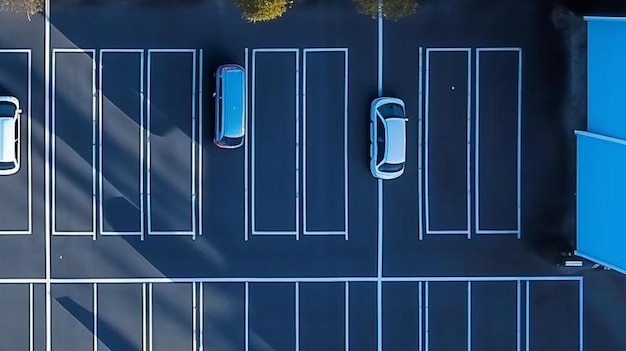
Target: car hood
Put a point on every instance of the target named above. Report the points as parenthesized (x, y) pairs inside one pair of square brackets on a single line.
[(396, 141)]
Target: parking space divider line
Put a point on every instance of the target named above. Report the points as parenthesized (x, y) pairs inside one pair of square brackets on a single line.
[(297, 314), (245, 152), (518, 319), (150, 313), (581, 308), (469, 316), (420, 318), (469, 138), (194, 317), (426, 317), (347, 316), (144, 319), (527, 316), (298, 145), (47, 164), (31, 319), (201, 319), (29, 60), (200, 139), (194, 176), (95, 317), (420, 181), (246, 315)]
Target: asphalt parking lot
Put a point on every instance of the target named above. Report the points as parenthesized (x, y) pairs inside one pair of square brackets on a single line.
[(151, 238)]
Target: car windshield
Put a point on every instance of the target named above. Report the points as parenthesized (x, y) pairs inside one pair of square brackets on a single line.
[(7, 109), (7, 165), (391, 110), (231, 141), (391, 167)]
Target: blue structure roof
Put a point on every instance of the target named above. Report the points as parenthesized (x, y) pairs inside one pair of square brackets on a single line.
[(601, 159)]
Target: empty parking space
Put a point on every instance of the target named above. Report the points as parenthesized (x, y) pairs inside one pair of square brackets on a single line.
[(325, 141), (119, 317), (446, 319), (222, 316), (72, 317), (554, 312), (73, 127), (121, 155), (272, 317), (447, 128), (16, 204), (402, 311), (495, 315), (274, 139), (497, 152), (322, 317), (171, 324), (171, 142), (362, 317), (16, 319)]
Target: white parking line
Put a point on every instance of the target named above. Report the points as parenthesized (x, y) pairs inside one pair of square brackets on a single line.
[(297, 313), (527, 316), (95, 317), (420, 180), (201, 319), (193, 145), (347, 315), (426, 317), (150, 333), (29, 229), (344, 231), (144, 319), (420, 317), (469, 316), (200, 137), (141, 142), (31, 319), (91, 52), (465, 231), (296, 231), (246, 316), (478, 230), (245, 154), (518, 325), (194, 316)]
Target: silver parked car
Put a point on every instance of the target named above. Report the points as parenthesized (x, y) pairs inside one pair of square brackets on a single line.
[(9, 135), (387, 138)]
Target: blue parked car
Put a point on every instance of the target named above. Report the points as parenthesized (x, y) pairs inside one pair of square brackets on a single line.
[(230, 106)]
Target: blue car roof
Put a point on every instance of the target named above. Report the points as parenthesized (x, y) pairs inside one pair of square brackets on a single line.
[(233, 79)]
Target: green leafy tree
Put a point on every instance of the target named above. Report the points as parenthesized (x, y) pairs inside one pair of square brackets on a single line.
[(391, 9), (27, 7), (262, 10)]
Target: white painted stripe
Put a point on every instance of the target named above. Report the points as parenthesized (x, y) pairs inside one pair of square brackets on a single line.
[(325, 50), (346, 316), (194, 196), (194, 317), (469, 316), (268, 232), (420, 184), (297, 131), (201, 321), (95, 317), (469, 138), (496, 231), (31, 319), (200, 138), (325, 233), (459, 49), (47, 164), (581, 308), (519, 147), (274, 50), (245, 154), (426, 317), (151, 315), (138, 51), (420, 318), (379, 269), (292, 279), (518, 319), (447, 232), (297, 314), (527, 315), (246, 315), (144, 319)]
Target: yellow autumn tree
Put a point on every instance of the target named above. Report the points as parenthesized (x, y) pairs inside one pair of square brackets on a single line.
[(391, 9), (27, 7), (262, 10)]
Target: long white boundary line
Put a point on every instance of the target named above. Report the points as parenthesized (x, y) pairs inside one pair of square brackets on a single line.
[(297, 314), (95, 317), (346, 316), (527, 316), (92, 232), (31, 319), (200, 137), (245, 152), (151, 315), (466, 231), (426, 317), (305, 231), (581, 307), (201, 321), (193, 231), (469, 316), (144, 320), (101, 143), (47, 202), (29, 229), (379, 184), (518, 322), (478, 230), (194, 317), (420, 312), (246, 321), (254, 231), (420, 181)]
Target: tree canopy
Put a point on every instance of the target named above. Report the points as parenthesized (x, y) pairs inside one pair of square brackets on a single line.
[(391, 9), (27, 7), (262, 10)]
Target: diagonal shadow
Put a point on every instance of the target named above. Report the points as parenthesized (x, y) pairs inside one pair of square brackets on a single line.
[(113, 341)]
